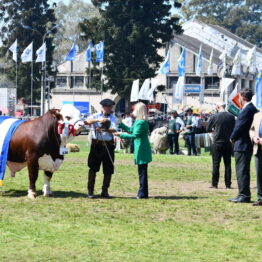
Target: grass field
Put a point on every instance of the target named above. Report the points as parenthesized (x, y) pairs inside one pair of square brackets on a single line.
[(183, 220)]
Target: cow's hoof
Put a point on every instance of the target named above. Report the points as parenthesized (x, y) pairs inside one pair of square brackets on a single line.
[(48, 194), (31, 195)]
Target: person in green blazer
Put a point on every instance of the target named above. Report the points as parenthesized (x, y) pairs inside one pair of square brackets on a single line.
[(139, 132)]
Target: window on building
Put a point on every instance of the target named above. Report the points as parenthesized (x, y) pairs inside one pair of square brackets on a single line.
[(77, 81), (61, 81), (192, 80), (211, 83)]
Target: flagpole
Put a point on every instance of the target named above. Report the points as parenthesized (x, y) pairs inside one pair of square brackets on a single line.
[(32, 87), (89, 84), (102, 71), (42, 90), (16, 80)]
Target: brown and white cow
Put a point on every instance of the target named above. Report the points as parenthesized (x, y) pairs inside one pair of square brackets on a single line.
[(38, 144)]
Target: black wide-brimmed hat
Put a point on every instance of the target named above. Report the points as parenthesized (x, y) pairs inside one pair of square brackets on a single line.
[(107, 102)]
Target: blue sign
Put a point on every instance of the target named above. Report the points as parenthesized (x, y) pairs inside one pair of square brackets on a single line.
[(191, 88), (83, 107)]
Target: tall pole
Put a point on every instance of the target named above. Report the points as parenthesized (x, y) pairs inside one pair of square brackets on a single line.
[(32, 72), (16, 80), (89, 83), (42, 91), (102, 71)]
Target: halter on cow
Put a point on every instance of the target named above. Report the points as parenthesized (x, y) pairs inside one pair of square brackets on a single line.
[(40, 144)]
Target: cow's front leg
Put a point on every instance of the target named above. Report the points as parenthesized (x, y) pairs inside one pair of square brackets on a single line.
[(46, 189), (32, 165)]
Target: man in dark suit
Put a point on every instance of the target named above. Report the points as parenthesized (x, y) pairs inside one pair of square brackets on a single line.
[(243, 146), (222, 125)]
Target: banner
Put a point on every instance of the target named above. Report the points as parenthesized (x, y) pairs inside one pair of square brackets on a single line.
[(13, 49), (144, 90), (178, 90), (165, 67), (134, 91), (182, 63), (27, 55)]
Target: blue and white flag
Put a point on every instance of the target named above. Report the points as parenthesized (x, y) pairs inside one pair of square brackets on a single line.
[(41, 54), (165, 67), (89, 52), (27, 55), (199, 62), (182, 63), (99, 52), (259, 90), (13, 49), (72, 53)]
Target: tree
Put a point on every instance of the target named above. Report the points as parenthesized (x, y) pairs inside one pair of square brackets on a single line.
[(133, 32), (241, 17), (68, 18), (27, 21)]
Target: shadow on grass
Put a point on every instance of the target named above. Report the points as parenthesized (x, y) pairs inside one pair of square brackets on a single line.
[(72, 194), (179, 197), (56, 194)]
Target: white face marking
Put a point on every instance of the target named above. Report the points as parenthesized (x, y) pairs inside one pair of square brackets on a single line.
[(71, 116)]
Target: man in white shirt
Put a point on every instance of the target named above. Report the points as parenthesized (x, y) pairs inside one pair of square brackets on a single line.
[(102, 147)]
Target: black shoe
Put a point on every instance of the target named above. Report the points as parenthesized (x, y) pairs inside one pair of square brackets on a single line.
[(90, 194), (258, 203), (240, 199), (105, 195), (229, 187), (213, 186)]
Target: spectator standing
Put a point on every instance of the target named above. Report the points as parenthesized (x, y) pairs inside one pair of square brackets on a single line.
[(191, 124), (243, 146), (175, 125), (222, 125)]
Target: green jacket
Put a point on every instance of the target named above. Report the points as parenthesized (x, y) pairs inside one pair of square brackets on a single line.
[(139, 132), (172, 126)]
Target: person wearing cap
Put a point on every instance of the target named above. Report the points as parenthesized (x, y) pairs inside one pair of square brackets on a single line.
[(102, 147), (222, 125), (191, 124), (175, 125)]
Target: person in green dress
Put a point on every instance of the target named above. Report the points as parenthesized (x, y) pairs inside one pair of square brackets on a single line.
[(139, 132)]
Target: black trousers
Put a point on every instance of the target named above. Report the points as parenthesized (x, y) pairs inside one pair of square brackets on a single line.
[(219, 151), (243, 160), (190, 143), (100, 154), (143, 181), (173, 141), (258, 163)]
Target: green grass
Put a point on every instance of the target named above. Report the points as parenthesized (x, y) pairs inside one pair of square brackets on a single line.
[(183, 220)]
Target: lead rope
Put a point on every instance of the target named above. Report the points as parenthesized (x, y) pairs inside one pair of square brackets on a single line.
[(116, 173)]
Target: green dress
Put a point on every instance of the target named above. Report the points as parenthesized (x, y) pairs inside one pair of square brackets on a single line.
[(139, 133)]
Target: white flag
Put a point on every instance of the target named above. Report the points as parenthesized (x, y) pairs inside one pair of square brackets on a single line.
[(144, 90), (223, 57), (134, 91), (13, 49), (27, 55), (178, 90), (236, 69), (150, 94), (251, 60), (210, 69), (41, 54)]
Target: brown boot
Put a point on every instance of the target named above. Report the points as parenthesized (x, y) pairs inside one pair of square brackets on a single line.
[(106, 184), (91, 183)]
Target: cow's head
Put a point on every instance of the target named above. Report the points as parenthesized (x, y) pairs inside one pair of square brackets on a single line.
[(71, 125)]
